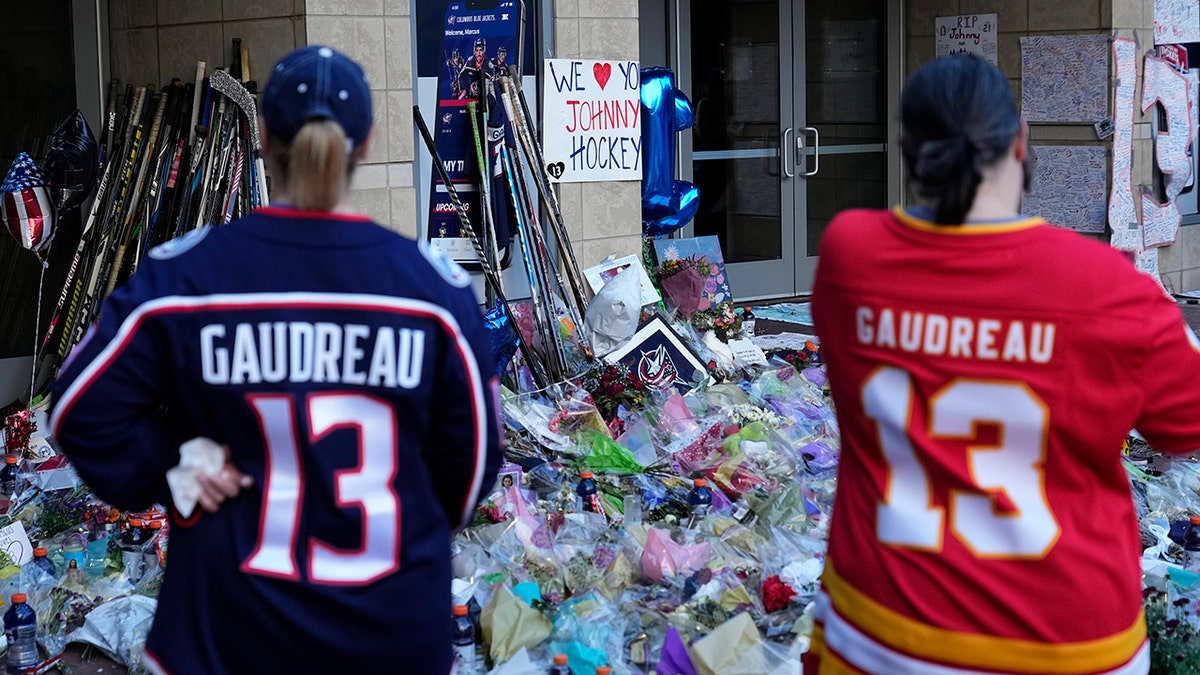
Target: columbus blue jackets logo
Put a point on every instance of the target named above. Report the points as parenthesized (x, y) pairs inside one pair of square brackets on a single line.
[(454, 274), (180, 244), (656, 368)]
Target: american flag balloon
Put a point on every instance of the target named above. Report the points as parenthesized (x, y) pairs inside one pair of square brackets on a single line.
[(27, 212)]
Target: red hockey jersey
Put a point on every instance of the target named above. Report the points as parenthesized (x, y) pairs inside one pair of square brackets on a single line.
[(984, 378)]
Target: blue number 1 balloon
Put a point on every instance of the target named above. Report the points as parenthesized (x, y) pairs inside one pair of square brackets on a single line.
[(667, 204)]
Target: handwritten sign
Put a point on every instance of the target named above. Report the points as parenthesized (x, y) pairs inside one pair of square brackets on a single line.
[(1163, 85), (15, 542), (966, 34), (1176, 21), (1122, 209), (593, 126), (1064, 78)]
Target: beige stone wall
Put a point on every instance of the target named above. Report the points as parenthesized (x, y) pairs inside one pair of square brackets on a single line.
[(1179, 264), (601, 218), (377, 34), (152, 41)]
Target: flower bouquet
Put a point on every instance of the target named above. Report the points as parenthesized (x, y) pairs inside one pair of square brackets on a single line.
[(682, 282)]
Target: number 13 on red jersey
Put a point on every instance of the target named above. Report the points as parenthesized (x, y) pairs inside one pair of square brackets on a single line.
[(907, 515)]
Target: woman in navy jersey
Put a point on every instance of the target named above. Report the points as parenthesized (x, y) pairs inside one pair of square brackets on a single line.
[(346, 371)]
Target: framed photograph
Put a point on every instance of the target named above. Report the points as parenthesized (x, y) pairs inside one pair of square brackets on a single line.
[(509, 476), (659, 357), (601, 274)]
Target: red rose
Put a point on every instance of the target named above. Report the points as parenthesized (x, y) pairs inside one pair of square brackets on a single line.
[(776, 594)]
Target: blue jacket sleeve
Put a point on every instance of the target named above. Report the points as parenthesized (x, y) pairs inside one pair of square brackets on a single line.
[(111, 416), (466, 439)]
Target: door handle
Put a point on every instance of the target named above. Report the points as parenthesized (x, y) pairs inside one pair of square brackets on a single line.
[(783, 153), (816, 150)]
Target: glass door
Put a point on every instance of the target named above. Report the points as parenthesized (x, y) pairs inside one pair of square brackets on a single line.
[(791, 102)]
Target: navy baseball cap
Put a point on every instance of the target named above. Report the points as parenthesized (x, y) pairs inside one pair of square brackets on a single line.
[(317, 82)]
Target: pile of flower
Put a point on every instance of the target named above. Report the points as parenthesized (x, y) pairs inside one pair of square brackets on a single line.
[(639, 582)]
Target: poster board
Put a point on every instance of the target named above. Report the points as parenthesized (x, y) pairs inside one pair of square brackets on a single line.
[(1064, 78), (966, 34), (1070, 187), (593, 122)]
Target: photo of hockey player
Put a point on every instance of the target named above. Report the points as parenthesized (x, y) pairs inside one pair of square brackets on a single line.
[(473, 71), (488, 38), (454, 66)]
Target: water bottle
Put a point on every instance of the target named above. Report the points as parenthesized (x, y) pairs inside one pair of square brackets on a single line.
[(131, 543), (42, 562), (748, 321), (20, 627), (464, 642), (560, 666), (1191, 546), (154, 541), (699, 500), (9, 475), (589, 494)]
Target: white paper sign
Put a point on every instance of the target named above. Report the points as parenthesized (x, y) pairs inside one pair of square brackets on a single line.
[(593, 124), (599, 275), (1176, 21), (15, 542), (745, 351), (966, 34), (1122, 209)]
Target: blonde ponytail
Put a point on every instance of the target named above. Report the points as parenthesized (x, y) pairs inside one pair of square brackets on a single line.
[(317, 166)]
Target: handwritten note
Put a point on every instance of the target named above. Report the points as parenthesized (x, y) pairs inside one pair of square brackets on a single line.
[(966, 34), (1069, 186), (1064, 78), (1163, 85), (1122, 209), (593, 126), (15, 542), (1176, 21)]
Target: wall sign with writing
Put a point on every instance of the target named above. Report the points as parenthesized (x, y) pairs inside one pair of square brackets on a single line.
[(593, 127), (1064, 78), (1176, 21), (1122, 210), (966, 34), (1163, 85)]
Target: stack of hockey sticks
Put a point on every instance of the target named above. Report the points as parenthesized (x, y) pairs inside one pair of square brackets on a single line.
[(557, 348), (174, 160)]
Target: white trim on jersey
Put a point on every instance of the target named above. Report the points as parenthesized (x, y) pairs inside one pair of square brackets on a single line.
[(864, 653), (303, 298)]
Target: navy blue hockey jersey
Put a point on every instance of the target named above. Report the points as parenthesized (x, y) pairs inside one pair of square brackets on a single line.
[(348, 371)]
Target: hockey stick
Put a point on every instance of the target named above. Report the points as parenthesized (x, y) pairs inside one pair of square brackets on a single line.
[(485, 196), (536, 368), (537, 283), (227, 85), (524, 125), (575, 312)]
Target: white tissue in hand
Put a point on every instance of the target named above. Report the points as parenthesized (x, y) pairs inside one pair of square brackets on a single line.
[(197, 456)]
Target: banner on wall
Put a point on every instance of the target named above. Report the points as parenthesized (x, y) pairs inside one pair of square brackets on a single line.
[(592, 126), (1176, 21)]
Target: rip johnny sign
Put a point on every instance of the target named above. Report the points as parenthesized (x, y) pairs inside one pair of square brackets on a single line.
[(592, 126)]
